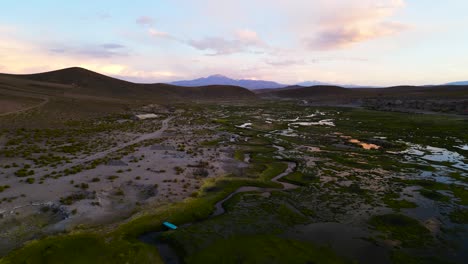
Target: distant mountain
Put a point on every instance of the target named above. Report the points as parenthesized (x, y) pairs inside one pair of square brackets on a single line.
[(223, 80), (458, 83), (312, 83)]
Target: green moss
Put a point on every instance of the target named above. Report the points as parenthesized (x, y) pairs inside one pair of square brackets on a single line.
[(4, 187), (239, 155), (400, 227), (461, 193), (299, 178), (458, 176), (459, 216), (434, 195), (391, 201), (400, 257), (263, 249), (272, 170), (82, 248), (30, 180)]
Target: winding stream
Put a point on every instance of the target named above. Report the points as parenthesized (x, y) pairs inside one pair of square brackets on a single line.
[(169, 255), (219, 209)]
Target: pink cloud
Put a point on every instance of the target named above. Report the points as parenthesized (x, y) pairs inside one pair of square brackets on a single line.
[(159, 34), (344, 36), (244, 40), (145, 21), (356, 21)]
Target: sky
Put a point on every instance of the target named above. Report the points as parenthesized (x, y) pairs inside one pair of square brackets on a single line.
[(365, 42)]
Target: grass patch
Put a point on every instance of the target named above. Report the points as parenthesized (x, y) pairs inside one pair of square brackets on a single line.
[(82, 248), (400, 227), (400, 257), (263, 249), (391, 201), (434, 195), (299, 178), (459, 216), (239, 155)]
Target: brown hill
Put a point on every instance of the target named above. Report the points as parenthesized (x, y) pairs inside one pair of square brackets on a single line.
[(299, 92), (336, 92), (79, 81)]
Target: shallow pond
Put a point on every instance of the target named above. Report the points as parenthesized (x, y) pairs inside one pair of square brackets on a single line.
[(429, 153), (245, 125)]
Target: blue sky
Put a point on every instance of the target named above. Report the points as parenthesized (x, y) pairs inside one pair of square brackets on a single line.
[(369, 42)]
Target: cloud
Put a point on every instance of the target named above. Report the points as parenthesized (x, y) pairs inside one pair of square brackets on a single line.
[(145, 21), (344, 36), (247, 36), (112, 46), (356, 21), (142, 76), (244, 40), (107, 50), (286, 62), (218, 45), (160, 34), (308, 25)]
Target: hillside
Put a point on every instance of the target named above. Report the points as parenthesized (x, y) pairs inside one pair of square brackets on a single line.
[(299, 92), (79, 81)]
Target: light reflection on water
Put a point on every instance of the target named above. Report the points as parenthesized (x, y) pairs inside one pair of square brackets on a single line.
[(436, 154)]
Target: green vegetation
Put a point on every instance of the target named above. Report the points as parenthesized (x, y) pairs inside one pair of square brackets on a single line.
[(400, 227), (460, 192), (392, 201), (338, 181), (400, 257), (239, 155), (4, 187), (24, 172), (299, 178), (459, 216), (434, 195), (69, 200), (263, 249), (30, 180), (82, 248)]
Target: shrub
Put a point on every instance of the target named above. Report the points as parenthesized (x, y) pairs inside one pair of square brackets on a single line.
[(201, 172), (179, 170), (4, 187), (30, 180)]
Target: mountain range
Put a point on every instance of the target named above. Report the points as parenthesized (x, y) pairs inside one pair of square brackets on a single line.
[(246, 83), (219, 79), (458, 83), (79, 83), (223, 80)]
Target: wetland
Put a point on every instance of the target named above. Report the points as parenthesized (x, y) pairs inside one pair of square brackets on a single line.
[(271, 182)]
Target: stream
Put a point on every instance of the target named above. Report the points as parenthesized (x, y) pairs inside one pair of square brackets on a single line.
[(169, 255)]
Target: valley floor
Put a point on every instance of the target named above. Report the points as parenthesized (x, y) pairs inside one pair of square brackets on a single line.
[(304, 184)]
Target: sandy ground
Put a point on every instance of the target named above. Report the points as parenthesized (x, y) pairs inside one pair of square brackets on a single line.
[(150, 176)]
